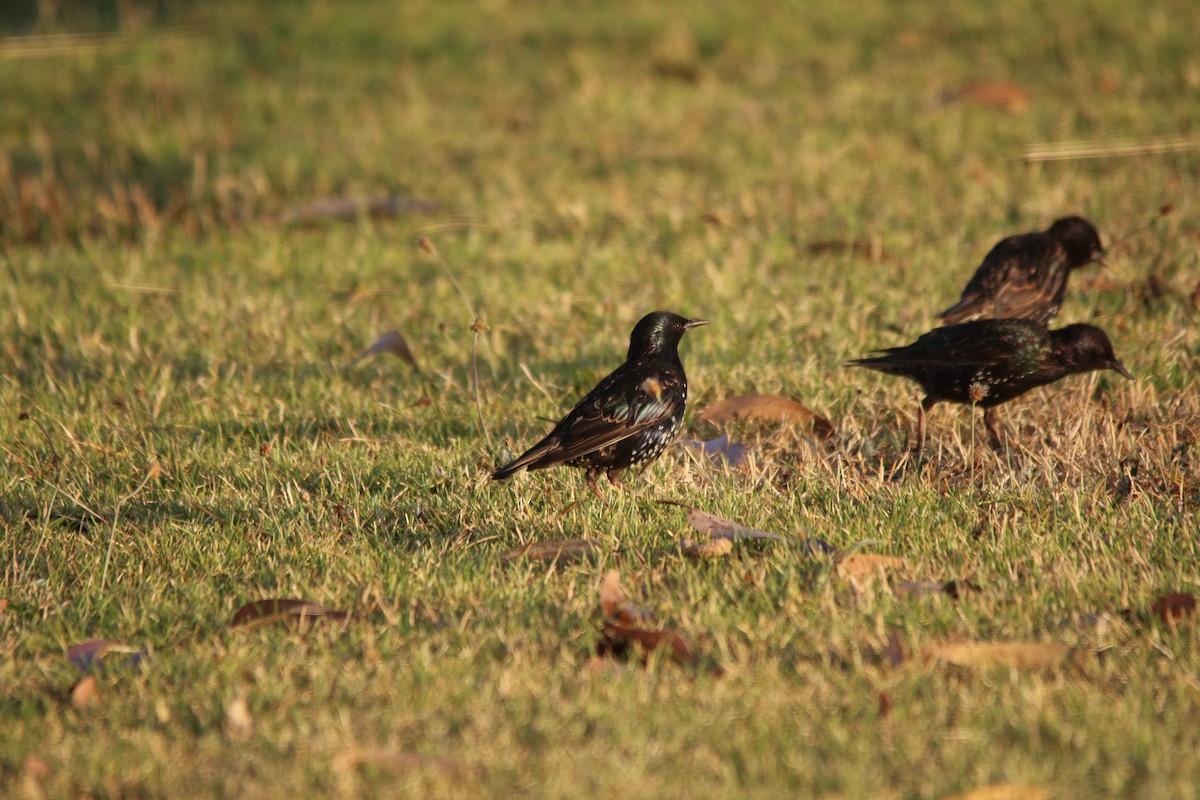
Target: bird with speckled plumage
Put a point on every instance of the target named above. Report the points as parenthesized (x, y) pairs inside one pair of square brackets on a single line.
[(989, 362), (1025, 276), (630, 417)]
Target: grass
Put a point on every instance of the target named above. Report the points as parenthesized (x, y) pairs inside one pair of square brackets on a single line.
[(198, 439)]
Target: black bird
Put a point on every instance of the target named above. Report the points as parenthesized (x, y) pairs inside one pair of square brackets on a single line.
[(1025, 276), (630, 417), (991, 361)]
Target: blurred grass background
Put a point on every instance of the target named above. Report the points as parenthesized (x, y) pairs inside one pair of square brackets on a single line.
[(818, 180)]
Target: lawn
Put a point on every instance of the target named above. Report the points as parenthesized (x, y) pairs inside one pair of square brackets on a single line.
[(186, 428)]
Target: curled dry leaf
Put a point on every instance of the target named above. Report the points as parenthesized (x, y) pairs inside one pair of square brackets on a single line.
[(919, 588), (650, 641), (765, 407), (390, 342), (720, 528), (97, 652), (562, 550), (613, 605), (734, 453), (1028, 655), (862, 568), (300, 613), (625, 625), (713, 548), (1173, 607), (84, 693)]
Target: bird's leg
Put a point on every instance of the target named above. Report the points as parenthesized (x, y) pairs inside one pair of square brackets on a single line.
[(614, 477), (992, 421), (593, 475)]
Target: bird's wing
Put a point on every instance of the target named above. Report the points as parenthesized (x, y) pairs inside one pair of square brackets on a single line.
[(1010, 280), (603, 417), (970, 343)]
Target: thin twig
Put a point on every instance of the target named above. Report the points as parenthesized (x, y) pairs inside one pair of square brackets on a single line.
[(1070, 151)]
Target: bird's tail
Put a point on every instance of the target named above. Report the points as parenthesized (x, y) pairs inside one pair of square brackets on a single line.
[(534, 458)]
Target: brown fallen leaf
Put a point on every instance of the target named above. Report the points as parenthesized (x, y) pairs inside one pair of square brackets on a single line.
[(390, 342), (720, 528), (614, 607), (1173, 607), (713, 548), (344, 208), (734, 453), (562, 550), (996, 94), (97, 652), (3, 604), (84, 692), (863, 568), (300, 613), (1028, 655), (765, 407), (624, 625), (399, 761), (1002, 791), (919, 588), (649, 641)]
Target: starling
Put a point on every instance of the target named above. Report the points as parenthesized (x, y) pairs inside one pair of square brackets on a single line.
[(991, 361), (1025, 276), (630, 417)]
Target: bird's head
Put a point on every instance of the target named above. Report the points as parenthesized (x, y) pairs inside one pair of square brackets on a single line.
[(1080, 239), (659, 330), (1086, 348)]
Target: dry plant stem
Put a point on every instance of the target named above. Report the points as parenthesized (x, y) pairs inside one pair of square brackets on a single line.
[(477, 325)]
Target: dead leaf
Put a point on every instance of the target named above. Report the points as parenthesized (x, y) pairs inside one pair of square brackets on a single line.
[(84, 693), (399, 761), (885, 704), (562, 550), (713, 548), (390, 342), (1002, 791), (918, 588), (720, 528), (613, 605), (996, 94), (862, 568), (734, 453), (1174, 607), (345, 208), (96, 653), (3, 604), (300, 613), (650, 641), (625, 625), (1028, 655), (765, 407), (238, 722)]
